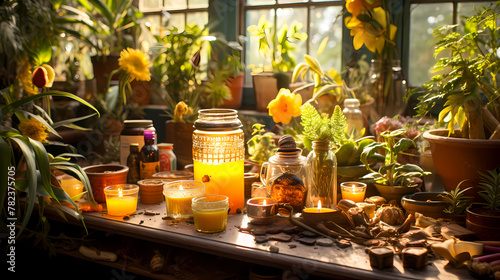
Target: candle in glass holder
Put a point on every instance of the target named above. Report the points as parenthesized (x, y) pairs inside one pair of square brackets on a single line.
[(354, 191), (178, 196), (71, 185), (210, 213), (121, 199), (261, 210)]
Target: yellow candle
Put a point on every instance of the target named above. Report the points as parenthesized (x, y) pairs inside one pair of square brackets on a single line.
[(121, 199), (316, 210), (178, 197), (71, 185), (224, 179), (210, 213), (121, 206), (353, 191)]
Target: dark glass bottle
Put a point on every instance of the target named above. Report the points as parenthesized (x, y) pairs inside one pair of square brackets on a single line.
[(133, 163), (150, 156)]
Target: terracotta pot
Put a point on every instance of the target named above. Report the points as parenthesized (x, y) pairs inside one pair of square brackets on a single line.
[(103, 175), (265, 87), (236, 87), (457, 159), (484, 225), (181, 135), (428, 204), (394, 192), (151, 191), (103, 66)]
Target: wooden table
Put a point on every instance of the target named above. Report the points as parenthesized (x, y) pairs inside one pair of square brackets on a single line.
[(330, 262)]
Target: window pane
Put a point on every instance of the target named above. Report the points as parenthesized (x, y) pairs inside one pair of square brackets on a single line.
[(199, 18), (260, 2), (150, 4), (196, 4), (291, 1), (291, 16), (252, 56), (176, 20), (324, 24), (175, 4), (153, 21), (424, 18)]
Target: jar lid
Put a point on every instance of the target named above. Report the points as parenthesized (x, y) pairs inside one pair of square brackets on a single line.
[(137, 123), (351, 102), (217, 120), (166, 146)]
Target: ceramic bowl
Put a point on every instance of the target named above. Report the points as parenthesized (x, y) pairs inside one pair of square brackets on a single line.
[(426, 203)]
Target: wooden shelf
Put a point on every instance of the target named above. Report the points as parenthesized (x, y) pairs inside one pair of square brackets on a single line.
[(328, 262)]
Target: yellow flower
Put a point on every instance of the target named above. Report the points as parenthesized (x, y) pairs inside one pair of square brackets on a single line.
[(33, 129), (24, 77), (365, 33), (285, 106), (356, 7), (180, 110), (135, 63)]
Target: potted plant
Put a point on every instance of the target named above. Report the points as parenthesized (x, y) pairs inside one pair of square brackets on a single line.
[(457, 203), (275, 47), (484, 218), (469, 89), (393, 180)]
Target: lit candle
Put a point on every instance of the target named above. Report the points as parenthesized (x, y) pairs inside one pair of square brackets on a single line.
[(318, 209), (314, 215), (71, 185), (121, 199), (178, 197), (354, 191), (210, 213), (261, 210)]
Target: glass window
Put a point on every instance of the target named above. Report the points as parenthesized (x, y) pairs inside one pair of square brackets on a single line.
[(324, 24)]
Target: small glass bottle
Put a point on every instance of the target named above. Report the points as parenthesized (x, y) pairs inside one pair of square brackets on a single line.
[(168, 160), (354, 116), (133, 163), (150, 156), (322, 172)]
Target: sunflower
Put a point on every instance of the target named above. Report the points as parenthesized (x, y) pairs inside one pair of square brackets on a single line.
[(285, 106), (33, 129), (135, 63)]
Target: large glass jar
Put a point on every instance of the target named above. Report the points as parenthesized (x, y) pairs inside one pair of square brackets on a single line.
[(388, 86), (284, 175), (219, 154), (322, 172)]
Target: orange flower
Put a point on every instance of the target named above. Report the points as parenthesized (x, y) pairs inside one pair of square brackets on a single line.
[(43, 76), (285, 106)]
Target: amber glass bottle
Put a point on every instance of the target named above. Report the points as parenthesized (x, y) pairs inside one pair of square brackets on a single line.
[(133, 163), (150, 156)]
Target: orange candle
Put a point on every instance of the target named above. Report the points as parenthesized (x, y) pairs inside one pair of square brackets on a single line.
[(178, 197), (121, 199), (354, 191)]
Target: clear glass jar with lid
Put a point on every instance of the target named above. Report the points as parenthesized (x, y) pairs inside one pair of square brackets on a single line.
[(219, 154), (285, 176)]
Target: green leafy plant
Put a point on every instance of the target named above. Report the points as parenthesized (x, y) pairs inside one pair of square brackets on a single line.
[(470, 64), (319, 127), (490, 185), (277, 44), (457, 200), (261, 146), (392, 173)]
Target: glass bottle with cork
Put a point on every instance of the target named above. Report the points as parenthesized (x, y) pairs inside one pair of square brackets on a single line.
[(150, 156), (133, 163)]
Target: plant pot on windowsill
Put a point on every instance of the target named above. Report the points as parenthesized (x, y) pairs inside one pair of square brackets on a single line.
[(181, 135), (266, 86), (103, 66), (485, 224), (236, 87), (456, 159)]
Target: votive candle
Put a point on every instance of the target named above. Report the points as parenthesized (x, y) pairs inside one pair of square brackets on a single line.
[(210, 213), (261, 210), (121, 199), (354, 191), (178, 197)]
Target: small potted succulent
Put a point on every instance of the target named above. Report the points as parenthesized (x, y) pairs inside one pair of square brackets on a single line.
[(457, 203), (393, 180), (483, 218)]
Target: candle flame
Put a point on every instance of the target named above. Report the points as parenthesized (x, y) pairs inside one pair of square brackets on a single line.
[(120, 194), (265, 202), (180, 187), (319, 206), (353, 186)]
